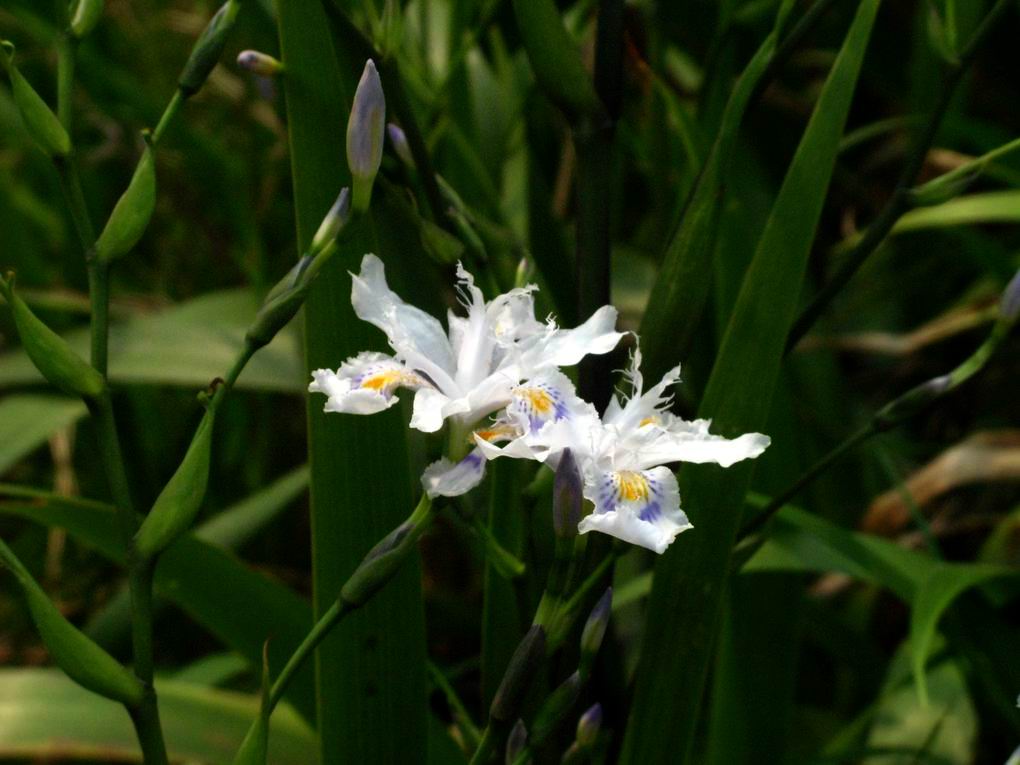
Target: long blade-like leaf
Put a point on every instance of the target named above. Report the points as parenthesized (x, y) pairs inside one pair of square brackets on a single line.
[(684, 607), (371, 672)]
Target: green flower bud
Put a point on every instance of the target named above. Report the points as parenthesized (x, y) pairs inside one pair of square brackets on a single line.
[(528, 655), (441, 245), (383, 560), (588, 726), (280, 305), (556, 707), (259, 63), (208, 48), (85, 16), (567, 496), (594, 630), (40, 120), (50, 353), (181, 499), (912, 402), (254, 749), (74, 652), (365, 130), (334, 221), (132, 212), (516, 741)]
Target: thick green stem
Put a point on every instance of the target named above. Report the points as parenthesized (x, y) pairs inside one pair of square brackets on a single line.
[(99, 298), (899, 200), (113, 462), (149, 731)]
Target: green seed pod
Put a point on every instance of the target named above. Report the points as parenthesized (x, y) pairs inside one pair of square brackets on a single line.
[(50, 353), (208, 48), (279, 307), (179, 502), (40, 120), (132, 212), (85, 16), (254, 748), (75, 653), (528, 655)]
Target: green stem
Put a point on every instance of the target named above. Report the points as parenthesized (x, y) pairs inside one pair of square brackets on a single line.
[(149, 731), (858, 437), (168, 115), (113, 462), (472, 737), (899, 200), (99, 298), (485, 747), (318, 633)]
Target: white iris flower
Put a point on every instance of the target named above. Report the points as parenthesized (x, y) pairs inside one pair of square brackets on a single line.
[(463, 374), (622, 455)]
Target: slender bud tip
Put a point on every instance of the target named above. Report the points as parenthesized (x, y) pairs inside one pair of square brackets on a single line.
[(598, 620), (259, 63), (589, 724), (1009, 308), (567, 496), (516, 741), (399, 140), (334, 221)]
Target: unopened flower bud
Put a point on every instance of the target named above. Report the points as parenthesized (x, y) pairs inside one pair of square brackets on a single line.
[(439, 244), (334, 221), (259, 63), (912, 402), (383, 560), (208, 48), (39, 119), (73, 651), (1009, 306), (589, 724), (181, 499), (85, 16), (516, 741), (132, 213), (523, 665), (400, 145), (52, 356), (365, 130), (556, 707), (524, 273), (595, 629), (567, 496)]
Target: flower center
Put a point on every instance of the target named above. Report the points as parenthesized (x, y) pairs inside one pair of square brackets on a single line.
[(633, 487)]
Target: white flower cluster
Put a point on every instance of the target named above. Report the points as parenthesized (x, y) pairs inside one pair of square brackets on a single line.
[(495, 375)]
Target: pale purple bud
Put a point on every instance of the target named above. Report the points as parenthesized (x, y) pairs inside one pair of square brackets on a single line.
[(516, 741), (365, 135), (588, 726), (1009, 308), (400, 145), (259, 63), (567, 496)]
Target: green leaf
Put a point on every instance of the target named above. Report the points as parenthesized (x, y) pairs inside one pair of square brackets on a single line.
[(27, 422), (371, 671), (934, 595), (188, 345), (200, 579), (47, 717), (689, 578)]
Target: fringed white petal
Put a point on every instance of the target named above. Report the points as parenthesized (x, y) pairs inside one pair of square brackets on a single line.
[(364, 384), (639, 507), (451, 479)]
